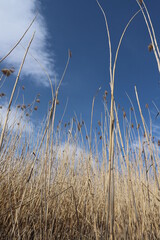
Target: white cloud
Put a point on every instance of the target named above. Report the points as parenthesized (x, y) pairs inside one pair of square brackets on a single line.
[(15, 17), (17, 120), (156, 130)]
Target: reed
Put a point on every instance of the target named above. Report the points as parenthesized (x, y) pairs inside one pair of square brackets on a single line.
[(68, 184)]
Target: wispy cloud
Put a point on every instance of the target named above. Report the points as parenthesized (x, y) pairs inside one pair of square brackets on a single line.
[(17, 120), (156, 130), (15, 17)]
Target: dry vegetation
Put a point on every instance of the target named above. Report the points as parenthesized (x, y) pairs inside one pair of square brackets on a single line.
[(66, 186)]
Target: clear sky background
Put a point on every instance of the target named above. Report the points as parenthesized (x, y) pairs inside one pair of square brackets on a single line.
[(79, 25)]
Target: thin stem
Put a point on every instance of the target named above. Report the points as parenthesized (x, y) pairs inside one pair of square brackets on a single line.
[(109, 39), (1, 60), (120, 42), (149, 146), (13, 91)]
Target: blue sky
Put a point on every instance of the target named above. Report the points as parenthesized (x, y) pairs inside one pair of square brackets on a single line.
[(79, 26)]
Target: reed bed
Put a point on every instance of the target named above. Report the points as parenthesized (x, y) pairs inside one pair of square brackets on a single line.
[(66, 184), (66, 195)]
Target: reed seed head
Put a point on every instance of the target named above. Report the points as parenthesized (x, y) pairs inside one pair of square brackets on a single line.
[(7, 72), (57, 102), (70, 53), (2, 94), (24, 106), (146, 105), (150, 47), (79, 127)]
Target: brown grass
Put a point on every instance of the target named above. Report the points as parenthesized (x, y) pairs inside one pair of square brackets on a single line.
[(66, 195)]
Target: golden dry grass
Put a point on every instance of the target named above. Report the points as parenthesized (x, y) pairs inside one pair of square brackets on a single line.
[(66, 195)]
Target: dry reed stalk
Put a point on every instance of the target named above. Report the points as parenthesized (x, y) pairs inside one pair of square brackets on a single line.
[(139, 139), (122, 156), (1, 60), (89, 168), (151, 33), (51, 117), (44, 70), (53, 109), (54, 103), (52, 140), (149, 146), (13, 91), (147, 174), (110, 213), (119, 131), (5, 77), (90, 138), (120, 42), (130, 184)]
